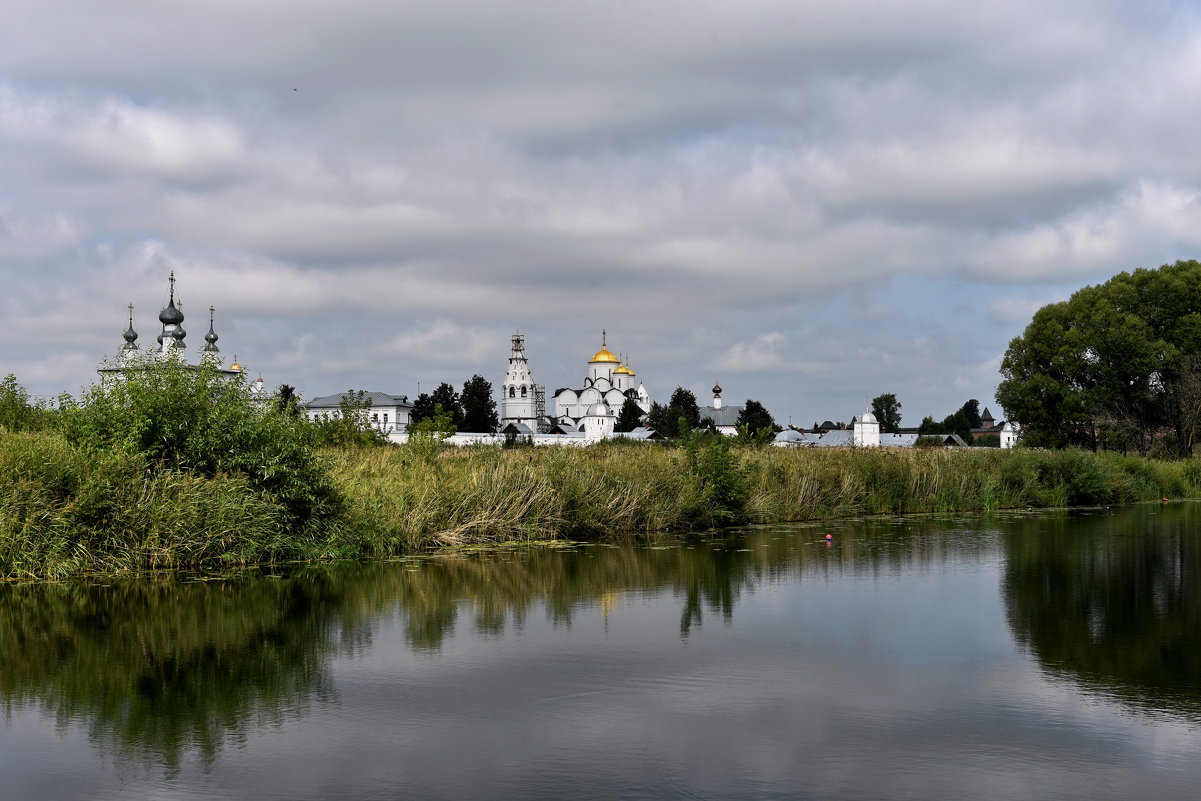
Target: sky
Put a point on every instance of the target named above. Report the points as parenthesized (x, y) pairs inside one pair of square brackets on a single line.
[(811, 203)]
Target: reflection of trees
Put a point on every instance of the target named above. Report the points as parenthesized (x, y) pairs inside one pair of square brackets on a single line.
[(162, 668), (1113, 602), (158, 669)]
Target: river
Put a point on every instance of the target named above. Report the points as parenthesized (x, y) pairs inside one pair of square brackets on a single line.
[(1011, 656)]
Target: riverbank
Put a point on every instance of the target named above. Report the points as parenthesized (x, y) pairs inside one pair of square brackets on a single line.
[(69, 510)]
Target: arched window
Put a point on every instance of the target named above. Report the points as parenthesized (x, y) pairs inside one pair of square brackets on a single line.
[(523, 390), (512, 392)]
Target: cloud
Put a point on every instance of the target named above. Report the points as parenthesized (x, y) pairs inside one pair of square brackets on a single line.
[(381, 193)]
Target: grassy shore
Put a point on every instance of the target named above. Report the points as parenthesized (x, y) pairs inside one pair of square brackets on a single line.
[(66, 509)]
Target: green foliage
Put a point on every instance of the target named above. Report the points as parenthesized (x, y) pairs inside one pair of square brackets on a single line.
[(754, 420), (629, 418), (351, 425), (448, 400), (681, 414), (199, 421), (479, 407), (1114, 365), (423, 409), (16, 412), (887, 410), (287, 401), (986, 441), (426, 436)]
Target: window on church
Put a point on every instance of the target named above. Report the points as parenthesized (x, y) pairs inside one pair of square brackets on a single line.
[(512, 392), (523, 391), (385, 418)]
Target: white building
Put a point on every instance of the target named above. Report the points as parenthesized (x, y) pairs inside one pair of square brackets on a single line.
[(607, 382), (522, 402), (385, 412), (725, 418), (864, 432)]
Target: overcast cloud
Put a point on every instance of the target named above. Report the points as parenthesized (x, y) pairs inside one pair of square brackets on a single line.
[(814, 203)]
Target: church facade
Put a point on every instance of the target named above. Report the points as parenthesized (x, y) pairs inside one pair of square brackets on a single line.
[(170, 345), (607, 383)]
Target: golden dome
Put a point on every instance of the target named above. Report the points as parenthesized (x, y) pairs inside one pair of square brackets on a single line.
[(623, 370), (604, 355)]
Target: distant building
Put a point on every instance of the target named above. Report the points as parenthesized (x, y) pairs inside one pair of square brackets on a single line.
[(522, 402), (385, 412), (864, 432), (725, 418), (607, 383), (170, 346)]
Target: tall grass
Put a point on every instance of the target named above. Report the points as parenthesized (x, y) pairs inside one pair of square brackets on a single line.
[(69, 509)]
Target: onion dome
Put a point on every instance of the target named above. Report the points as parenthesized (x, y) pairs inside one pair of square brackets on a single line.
[(210, 339), (171, 315), (235, 367), (600, 409), (604, 355), (717, 389), (130, 336), (868, 417), (623, 370)]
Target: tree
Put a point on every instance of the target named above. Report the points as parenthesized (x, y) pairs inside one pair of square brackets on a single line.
[(446, 397), (351, 424), (1112, 361), (887, 410), (423, 409), (756, 419), (928, 426), (683, 406), (629, 418), (658, 419), (287, 402), (16, 412), (479, 407), (971, 410), (957, 423)]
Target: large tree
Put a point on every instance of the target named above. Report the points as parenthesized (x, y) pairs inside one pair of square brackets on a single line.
[(479, 407), (754, 418), (682, 406), (629, 418), (1113, 365), (887, 410), (423, 408), (446, 397)]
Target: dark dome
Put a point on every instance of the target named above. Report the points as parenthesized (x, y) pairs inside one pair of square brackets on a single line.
[(170, 315)]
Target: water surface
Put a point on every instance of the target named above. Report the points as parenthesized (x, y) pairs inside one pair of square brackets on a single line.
[(1053, 655)]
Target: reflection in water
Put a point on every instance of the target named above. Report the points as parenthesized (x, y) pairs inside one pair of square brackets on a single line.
[(1113, 601), (157, 670), (160, 668)]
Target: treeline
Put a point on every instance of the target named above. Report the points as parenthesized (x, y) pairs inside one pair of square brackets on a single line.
[(178, 468)]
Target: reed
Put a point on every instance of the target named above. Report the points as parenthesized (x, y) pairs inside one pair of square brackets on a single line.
[(69, 509)]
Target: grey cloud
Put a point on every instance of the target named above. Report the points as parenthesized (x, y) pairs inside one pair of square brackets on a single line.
[(731, 185)]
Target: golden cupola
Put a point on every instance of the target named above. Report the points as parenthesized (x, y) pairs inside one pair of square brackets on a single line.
[(604, 355)]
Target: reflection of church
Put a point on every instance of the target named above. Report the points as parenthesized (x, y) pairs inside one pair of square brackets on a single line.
[(170, 346), (607, 384)]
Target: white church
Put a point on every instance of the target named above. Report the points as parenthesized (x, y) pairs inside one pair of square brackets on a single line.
[(171, 346)]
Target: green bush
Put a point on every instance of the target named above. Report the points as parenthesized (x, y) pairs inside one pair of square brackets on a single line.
[(202, 421)]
